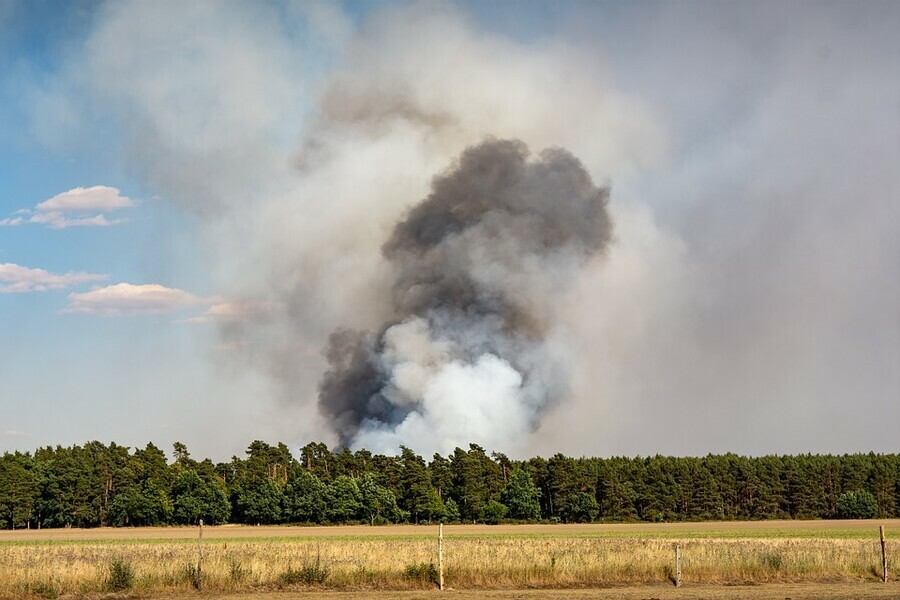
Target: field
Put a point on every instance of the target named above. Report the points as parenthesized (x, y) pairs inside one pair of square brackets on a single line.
[(796, 559)]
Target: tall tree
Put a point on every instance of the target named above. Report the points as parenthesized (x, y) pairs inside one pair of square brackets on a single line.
[(344, 501), (419, 497), (304, 497), (18, 490), (522, 497), (376, 501)]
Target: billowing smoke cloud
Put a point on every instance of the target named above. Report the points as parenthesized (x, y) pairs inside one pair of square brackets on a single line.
[(462, 358), (753, 277)]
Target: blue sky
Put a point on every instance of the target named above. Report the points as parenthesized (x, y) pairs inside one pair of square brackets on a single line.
[(63, 370), (242, 162)]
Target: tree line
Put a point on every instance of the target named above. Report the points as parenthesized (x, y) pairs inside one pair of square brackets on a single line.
[(110, 485)]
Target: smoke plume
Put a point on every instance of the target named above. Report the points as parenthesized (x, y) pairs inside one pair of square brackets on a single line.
[(474, 268), (753, 278)]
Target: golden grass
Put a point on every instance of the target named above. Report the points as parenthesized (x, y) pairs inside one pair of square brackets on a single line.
[(45, 568)]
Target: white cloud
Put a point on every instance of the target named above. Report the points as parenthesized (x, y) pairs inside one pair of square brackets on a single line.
[(98, 197), (128, 299), (78, 207), (16, 279)]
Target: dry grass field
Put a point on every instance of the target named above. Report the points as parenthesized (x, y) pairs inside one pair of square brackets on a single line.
[(263, 561)]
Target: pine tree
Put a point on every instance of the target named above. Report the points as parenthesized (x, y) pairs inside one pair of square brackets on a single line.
[(522, 497)]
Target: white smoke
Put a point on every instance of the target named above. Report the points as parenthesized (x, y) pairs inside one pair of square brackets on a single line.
[(300, 177), (456, 402), (752, 275)]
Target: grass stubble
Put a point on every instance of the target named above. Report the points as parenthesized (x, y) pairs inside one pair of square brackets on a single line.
[(39, 568)]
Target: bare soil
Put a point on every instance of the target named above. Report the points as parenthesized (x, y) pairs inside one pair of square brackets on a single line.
[(837, 591)]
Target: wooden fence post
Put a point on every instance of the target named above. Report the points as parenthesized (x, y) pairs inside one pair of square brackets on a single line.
[(441, 557), (677, 565), (199, 582), (883, 555)]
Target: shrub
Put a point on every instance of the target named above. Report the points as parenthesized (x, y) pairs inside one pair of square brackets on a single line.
[(236, 571), (121, 575), (191, 575), (45, 589), (424, 572), (772, 560), (858, 504), (669, 574), (493, 512), (309, 573)]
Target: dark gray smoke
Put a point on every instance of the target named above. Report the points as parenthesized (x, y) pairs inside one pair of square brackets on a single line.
[(475, 264)]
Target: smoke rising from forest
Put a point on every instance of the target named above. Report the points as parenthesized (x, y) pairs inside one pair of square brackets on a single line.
[(751, 280), (473, 266)]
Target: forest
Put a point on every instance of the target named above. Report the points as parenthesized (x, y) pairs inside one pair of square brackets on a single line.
[(95, 485)]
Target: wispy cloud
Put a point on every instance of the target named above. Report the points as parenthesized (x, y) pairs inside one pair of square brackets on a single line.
[(236, 311), (78, 207), (16, 279), (124, 299), (127, 299), (14, 433)]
